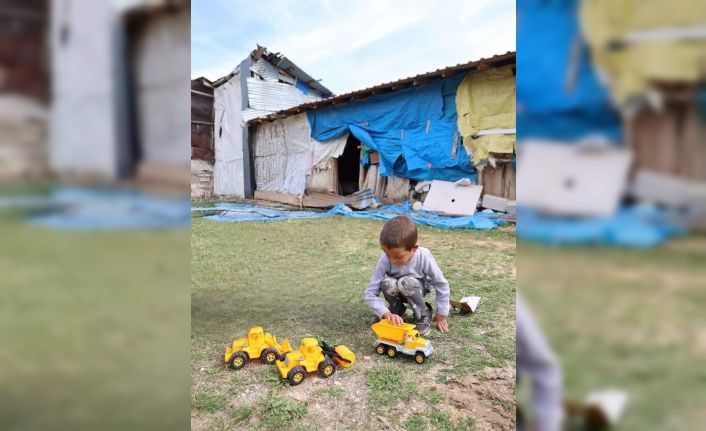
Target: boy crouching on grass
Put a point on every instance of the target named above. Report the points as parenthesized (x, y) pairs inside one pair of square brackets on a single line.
[(405, 273)]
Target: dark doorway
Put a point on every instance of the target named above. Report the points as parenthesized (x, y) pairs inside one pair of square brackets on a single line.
[(349, 167), (129, 150)]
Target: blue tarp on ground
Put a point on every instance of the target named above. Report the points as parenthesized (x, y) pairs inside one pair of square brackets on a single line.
[(239, 212), (413, 129), (635, 227), (88, 209), (547, 107)]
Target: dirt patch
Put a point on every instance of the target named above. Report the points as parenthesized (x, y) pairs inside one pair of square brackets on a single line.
[(489, 397), (333, 403), (691, 244)]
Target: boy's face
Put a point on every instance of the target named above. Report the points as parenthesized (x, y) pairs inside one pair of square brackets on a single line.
[(399, 255)]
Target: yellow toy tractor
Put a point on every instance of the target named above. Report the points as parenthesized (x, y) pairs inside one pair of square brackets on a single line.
[(258, 344), (312, 357), (404, 338)]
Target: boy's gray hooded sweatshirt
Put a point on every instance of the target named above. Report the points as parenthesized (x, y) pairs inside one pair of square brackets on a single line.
[(422, 266)]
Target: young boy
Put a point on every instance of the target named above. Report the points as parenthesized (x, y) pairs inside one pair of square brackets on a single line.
[(404, 274)]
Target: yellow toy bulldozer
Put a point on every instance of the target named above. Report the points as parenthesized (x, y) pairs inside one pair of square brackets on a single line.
[(258, 344), (404, 338), (312, 357)]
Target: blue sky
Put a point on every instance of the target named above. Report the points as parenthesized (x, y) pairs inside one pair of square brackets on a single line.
[(350, 44)]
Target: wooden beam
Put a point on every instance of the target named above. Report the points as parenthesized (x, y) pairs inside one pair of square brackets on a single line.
[(201, 93), (26, 14), (287, 198)]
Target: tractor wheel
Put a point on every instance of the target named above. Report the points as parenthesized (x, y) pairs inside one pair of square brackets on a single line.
[(419, 358), (380, 349), (327, 368), (238, 360), (391, 352), (269, 356), (296, 375)]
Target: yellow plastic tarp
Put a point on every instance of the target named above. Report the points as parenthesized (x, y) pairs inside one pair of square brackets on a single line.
[(631, 66), (485, 101)]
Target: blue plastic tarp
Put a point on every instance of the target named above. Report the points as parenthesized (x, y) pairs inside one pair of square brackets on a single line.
[(480, 221), (240, 212), (301, 86), (548, 105), (634, 227), (89, 209), (413, 130)]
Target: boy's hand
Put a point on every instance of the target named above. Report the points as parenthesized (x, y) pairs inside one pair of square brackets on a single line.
[(393, 318), (441, 323)]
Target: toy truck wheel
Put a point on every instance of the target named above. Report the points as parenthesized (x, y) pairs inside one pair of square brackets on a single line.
[(419, 358), (327, 368), (296, 375), (238, 360), (391, 352), (269, 356), (380, 349)]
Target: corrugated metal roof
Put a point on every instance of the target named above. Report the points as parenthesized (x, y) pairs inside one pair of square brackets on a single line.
[(476, 65), (267, 71), (275, 96), (250, 114)]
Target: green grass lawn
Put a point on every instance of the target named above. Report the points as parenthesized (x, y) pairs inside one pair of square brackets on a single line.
[(631, 319), (94, 328), (306, 278)]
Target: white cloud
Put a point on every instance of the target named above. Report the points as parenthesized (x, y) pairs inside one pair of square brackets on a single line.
[(352, 45)]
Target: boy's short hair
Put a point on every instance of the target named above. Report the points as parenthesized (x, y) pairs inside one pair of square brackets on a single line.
[(400, 231)]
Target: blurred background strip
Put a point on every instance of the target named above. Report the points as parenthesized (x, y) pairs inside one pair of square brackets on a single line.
[(611, 158), (94, 214)]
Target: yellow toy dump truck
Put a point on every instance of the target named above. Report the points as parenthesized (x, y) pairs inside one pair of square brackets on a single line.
[(404, 338), (311, 357), (258, 344)]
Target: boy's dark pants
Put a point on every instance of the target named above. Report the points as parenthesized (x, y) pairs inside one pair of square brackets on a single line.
[(406, 289)]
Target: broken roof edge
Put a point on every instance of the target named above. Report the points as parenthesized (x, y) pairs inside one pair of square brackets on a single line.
[(479, 65), (283, 63), (222, 80), (204, 80)]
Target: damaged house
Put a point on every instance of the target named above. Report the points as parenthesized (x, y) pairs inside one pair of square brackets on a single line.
[(118, 73), (202, 152), (24, 90), (623, 95), (93, 89), (261, 84), (654, 67), (449, 124)]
